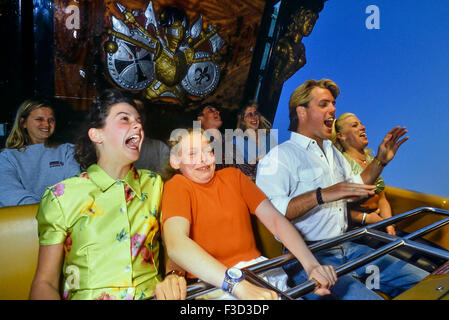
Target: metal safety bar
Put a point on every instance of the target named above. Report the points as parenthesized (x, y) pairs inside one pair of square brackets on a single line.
[(392, 243)]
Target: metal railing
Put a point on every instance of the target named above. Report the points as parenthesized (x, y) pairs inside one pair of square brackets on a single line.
[(392, 243)]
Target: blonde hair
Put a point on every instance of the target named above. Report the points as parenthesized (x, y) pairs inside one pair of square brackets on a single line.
[(337, 127), (19, 137), (263, 122), (302, 95), (176, 138)]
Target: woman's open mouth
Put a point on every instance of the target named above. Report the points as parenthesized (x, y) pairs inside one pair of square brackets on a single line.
[(133, 142)]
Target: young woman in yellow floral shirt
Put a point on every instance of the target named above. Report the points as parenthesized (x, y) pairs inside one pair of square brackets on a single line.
[(101, 227)]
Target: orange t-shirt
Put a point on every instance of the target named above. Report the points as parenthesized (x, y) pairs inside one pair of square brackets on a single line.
[(218, 212)]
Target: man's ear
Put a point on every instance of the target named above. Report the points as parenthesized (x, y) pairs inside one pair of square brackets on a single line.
[(175, 162), (301, 112), (95, 135)]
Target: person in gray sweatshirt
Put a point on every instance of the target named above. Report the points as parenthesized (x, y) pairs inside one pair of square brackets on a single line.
[(31, 161)]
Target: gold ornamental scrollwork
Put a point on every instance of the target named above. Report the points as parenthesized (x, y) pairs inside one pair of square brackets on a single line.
[(165, 57), (289, 50)]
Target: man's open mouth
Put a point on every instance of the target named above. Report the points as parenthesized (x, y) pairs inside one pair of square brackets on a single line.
[(329, 122)]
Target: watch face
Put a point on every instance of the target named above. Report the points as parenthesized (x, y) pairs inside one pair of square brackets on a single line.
[(234, 273)]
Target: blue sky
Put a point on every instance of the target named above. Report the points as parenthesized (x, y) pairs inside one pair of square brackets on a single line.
[(395, 75)]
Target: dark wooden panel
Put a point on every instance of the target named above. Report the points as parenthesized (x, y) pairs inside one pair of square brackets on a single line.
[(80, 60)]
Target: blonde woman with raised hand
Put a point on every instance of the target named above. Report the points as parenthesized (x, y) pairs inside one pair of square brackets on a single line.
[(350, 138)]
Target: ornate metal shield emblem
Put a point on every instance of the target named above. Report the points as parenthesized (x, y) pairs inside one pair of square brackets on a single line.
[(162, 58), (202, 77), (130, 66)]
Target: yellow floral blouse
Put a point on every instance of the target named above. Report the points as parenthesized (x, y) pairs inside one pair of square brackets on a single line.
[(110, 231)]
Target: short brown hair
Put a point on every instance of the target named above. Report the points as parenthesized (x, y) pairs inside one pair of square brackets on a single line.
[(302, 95)]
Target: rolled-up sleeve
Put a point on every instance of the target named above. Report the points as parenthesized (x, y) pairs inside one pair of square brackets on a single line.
[(273, 178), (357, 179)]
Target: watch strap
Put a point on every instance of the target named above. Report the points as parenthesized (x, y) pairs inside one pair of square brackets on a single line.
[(319, 196), (227, 286), (229, 283)]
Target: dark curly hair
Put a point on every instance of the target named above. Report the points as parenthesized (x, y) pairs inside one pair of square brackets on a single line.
[(85, 151)]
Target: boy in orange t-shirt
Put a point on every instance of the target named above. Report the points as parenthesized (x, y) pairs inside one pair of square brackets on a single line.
[(207, 227)]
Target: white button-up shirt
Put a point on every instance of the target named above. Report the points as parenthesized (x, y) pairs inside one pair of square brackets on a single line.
[(298, 166)]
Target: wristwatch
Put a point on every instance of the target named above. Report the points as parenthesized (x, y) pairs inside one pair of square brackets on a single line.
[(232, 277)]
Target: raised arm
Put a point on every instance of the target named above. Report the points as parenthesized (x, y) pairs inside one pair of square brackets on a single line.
[(45, 285), (385, 153), (324, 276), (187, 254)]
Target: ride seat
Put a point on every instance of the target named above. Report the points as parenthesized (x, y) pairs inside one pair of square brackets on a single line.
[(265, 241), (19, 248)]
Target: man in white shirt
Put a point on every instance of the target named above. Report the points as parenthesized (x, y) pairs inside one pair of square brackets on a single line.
[(309, 181)]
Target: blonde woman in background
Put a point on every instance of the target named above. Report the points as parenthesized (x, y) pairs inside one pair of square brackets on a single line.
[(349, 136), (31, 161), (255, 140)]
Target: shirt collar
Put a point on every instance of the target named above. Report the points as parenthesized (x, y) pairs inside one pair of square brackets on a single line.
[(105, 181), (306, 142), (132, 179), (301, 140)]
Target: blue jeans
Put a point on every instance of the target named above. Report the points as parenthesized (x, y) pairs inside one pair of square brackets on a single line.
[(395, 275)]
